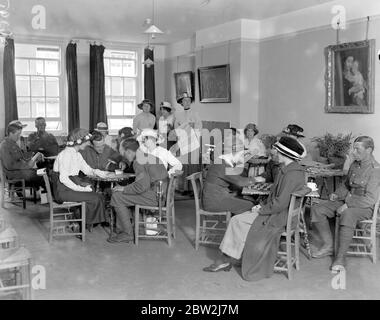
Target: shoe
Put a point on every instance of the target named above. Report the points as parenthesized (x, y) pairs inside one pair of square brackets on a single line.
[(218, 267), (323, 252), (338, 264), (121, 237)]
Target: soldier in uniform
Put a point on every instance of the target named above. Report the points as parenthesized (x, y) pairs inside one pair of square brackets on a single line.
[(353, 201), (42, 141), (15, 165)]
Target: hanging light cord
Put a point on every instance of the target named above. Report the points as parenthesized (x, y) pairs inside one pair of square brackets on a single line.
[(337, 31), (366, 35)]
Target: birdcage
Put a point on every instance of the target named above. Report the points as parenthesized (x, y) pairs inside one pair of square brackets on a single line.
[(15, 275)]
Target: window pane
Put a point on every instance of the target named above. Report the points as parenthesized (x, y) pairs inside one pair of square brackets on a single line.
[(107, 86), (37, 67), (129, 68), (38, 86), (107, 70), (22, 86), (21, 66), (38, 107), (52, 107), (117, 107), (52, 87), (53, 125), (23, 107), (108, 105), (117, 124), (116, 67), (51, 68), (117, 87), (129, 87), (48, 52), (129, 107)]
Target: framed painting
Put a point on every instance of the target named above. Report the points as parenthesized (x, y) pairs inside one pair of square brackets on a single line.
[(350, 77), (184, 82), (214, 84)]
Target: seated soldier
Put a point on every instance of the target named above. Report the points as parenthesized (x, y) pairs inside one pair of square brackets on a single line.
[(100, 156), (14, 164), (123, 133), (103, 129), (255, 236), (142, 191), (42, 141), (353, 201)]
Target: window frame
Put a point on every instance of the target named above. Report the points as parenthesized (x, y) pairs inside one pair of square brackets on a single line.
[(62, 83), (139, 80)]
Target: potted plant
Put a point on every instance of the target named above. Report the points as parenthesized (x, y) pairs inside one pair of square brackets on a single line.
[(334, 148)]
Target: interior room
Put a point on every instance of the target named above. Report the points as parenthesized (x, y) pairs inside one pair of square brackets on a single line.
[(278, 100)]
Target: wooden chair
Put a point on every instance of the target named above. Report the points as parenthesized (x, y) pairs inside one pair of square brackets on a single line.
[(286, 260), (167, 220), (59, 220), (364, 240), (207, 224)]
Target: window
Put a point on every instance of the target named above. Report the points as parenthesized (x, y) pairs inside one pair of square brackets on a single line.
[(39, 86), (121, 70)]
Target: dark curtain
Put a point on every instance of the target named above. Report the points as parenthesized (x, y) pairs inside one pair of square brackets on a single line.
[(72, 83), (9, 79), (98, 111), (149, 88)]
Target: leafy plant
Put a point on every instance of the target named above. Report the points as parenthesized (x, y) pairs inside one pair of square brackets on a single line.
[(333, 146)]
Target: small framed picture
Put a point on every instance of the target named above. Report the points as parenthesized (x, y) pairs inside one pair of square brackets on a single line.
[(214, 84)]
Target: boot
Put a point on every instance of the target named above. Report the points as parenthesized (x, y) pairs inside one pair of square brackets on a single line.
[(323, 228), (345, 239), (124, 220)]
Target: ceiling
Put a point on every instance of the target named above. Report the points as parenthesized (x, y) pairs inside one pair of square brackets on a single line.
[(122, 20)]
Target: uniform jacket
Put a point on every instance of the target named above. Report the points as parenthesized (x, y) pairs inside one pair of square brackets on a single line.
[(101, 160), (12, 156), (147, 176), (360, 189), (43, 142), (262, 243)]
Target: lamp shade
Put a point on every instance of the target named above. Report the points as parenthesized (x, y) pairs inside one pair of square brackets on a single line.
[(153, 30)]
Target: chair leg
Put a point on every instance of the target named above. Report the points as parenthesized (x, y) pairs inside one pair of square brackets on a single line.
[(83, 216), (173, 219), (289, 257), (34, 195), (51, 225), (297, 248), (373, 243), (137, 224), (169, 227), (197, 229)]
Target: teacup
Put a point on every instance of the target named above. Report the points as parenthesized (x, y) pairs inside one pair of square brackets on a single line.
[(118, 172), (312, 186), (260, 179)]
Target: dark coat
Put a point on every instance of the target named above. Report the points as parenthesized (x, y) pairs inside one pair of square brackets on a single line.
[(262, 243)]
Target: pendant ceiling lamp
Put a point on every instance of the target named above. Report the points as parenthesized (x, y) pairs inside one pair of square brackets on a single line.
[(153, 30)]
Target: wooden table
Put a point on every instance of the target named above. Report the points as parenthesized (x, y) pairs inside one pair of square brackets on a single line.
[(112, 178), (325, 173), (264, 189), (256, 163)]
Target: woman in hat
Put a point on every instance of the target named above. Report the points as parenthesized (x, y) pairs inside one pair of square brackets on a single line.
[(166, 124), (254, 236), (145, 119), (251, 142), (149, 140), (68, 186), (187, 125)]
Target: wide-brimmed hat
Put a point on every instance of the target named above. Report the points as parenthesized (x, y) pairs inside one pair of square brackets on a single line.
[(150, 133), (294, 130), (183, 95), (17, 123), (165, 104), (101, 127), (145, 101), (291, 148)]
